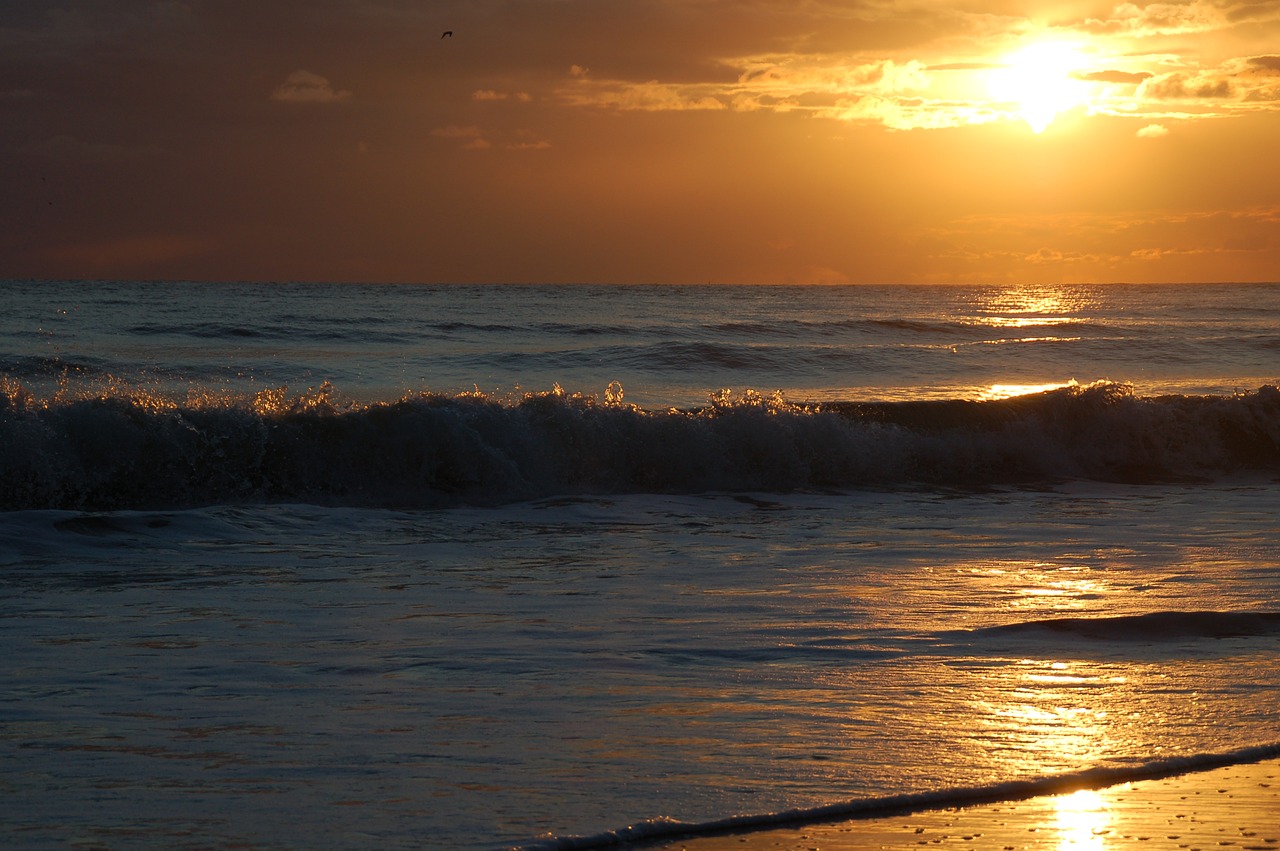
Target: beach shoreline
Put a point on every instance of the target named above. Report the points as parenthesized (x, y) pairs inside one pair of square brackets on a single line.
[(1235, 806)]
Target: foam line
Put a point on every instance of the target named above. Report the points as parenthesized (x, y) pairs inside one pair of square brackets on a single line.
[(661, 830)]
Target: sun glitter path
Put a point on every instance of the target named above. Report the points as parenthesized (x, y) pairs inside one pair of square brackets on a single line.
[(1236, 808)]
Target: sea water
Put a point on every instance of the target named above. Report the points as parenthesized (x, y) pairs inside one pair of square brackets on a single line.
[(477, 567)]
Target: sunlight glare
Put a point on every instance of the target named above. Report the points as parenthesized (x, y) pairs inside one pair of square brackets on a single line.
[(1082, 820), (1038, 80), (1008, 391)]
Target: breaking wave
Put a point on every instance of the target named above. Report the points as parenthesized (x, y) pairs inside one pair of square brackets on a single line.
[(125, 449), (896, 805)]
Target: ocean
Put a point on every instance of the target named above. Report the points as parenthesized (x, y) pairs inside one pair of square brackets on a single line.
[(482, 567)]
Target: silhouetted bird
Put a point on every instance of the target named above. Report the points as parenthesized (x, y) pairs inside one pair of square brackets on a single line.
[(447, 34)]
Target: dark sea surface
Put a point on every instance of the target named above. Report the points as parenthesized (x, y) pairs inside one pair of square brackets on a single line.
[(463, 567)]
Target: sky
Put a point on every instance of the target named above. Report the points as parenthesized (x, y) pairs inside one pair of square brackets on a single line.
[(663, 141)]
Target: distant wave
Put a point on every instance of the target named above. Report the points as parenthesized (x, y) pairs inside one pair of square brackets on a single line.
[(272, 331), (48, 366), (667, 356), (1154, 626), (897, 805), (127, 449)]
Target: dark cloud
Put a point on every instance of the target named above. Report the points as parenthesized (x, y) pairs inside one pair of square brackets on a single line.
[(1257, 11), (1265, 63)]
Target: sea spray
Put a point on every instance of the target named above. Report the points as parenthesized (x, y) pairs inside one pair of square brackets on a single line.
[(128, 449)]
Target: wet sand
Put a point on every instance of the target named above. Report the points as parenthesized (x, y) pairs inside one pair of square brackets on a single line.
[(1236, 808)]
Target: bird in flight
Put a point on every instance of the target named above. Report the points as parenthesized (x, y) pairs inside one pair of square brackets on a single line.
[(447, 34)]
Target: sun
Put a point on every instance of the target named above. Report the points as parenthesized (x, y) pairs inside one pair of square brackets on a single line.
[(1038, 81)]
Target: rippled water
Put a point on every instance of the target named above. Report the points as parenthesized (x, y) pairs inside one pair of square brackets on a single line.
[(223, 625), (664, 345)]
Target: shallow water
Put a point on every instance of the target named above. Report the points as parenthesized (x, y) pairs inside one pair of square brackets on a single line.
[(482, 677)]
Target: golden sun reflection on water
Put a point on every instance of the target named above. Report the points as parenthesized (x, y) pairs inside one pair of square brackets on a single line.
[(1049, 310), (1008, 391), (1052, 709), (1046, 588), (1028, 321), (1083, 820), (1034, 306), (1052, 302)]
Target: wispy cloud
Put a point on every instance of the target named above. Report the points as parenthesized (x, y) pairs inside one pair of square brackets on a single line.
[(305, 87), (491, 95), (473, 138), (470, 137), (585, 90)]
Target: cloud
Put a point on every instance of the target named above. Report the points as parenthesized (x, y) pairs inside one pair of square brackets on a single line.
[(888, 76), (1120, 77), (964, 66), (1265, 63), (1157, 19), (492, 95), (304, 87), (1179, 86), (910, 113), (471, 137), (902, 92), (651, 96), (1053, 256), (1141, 58), (790, 76), (1153, 131), (1256, 78), (1266, 94), (884, 91)]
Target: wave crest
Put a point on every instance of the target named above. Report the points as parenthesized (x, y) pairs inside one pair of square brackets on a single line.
[(126, 449)]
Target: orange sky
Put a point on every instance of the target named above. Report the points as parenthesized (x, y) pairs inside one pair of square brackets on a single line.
[(640, 140)]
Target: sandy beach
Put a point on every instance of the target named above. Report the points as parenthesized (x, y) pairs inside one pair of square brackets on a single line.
[(1236, 807)]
